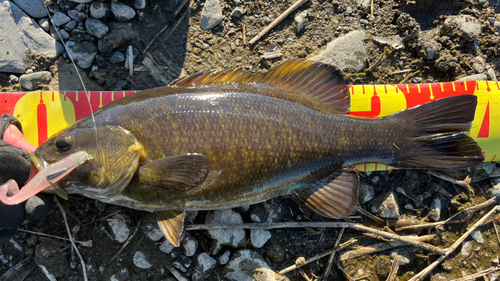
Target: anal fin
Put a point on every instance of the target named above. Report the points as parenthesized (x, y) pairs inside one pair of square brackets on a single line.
[(171, 224), (333, 197)]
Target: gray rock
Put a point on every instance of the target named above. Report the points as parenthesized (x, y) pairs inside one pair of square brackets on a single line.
[(34, 8), (238, 12), (70, 25), (387, 206), (51, 260), (100, 9), (190, 246), (429, 46), (60, 19), (32, 80), (346, 52), (44, 23), (96, 28), (476, 235), (140, 260), (265, 213), (488, 167), (120, 275), (491, 74), (481, 77), (82, 1), (64, 34), (211, 15), (76, 15), (366, 192), (13, 79), (248, 265), (83, 53), (464, 26), (72, 14), (182, 263), (435, 212), (153, 232), (466, 248), (365, 4), (259, 237), (122, 12), (166, 247), (230, 237), (300, 19), (140, 4), (24, 34), (117, 57), (224, 258), (119, 226), (204, 264), (120, 34), (479, 65)]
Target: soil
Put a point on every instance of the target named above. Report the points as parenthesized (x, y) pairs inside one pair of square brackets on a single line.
[(189, 50)]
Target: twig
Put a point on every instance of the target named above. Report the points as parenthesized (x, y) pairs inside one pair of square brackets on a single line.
[(379, 247), (479, 274), (369, 215), (422, 274), (371, 9), (382, 58), (411, 75), (318, 256), (82, 262), (403, 71), (277, 21), (417, 226), (164, 28), (330, 260), (465, 183), (83, 243), (304, 275), (126, 243), (356, 226), (130, 60), (176, 26), (496, 231), (394, 268), (244, 31)]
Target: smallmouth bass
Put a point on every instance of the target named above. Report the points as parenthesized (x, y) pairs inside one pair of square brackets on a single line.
[(218, 140)]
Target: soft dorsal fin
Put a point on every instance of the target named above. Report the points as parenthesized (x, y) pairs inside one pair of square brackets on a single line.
[(333, 197), (320, 81), (178, 172)]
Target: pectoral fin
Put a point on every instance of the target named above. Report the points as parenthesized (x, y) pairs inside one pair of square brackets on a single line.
[(178, 172), (333, 197), (171, 224)]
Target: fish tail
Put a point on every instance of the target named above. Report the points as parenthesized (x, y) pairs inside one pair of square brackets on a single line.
[(437, 134)]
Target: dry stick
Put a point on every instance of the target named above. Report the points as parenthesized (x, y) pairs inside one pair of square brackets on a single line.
[(411, 75), (126, 243), (379, 247), (356, 226), (467, 211), (496, 231), (83, 243), (479, 274), (72, 240), (330, 260), (421, 275), (304, 275), (394, 268), (465, 183), (177, 11), (371, 9), (277, 21), (318, 256), (176, 26), (244, 30), (370, 215)]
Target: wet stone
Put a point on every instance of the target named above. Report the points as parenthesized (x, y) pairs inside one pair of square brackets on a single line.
[(190, 246), (140, 4), (182, 263), (221, 237), (96, 28), (64, 34), (60, 19), (70, 25), (265, 213), (259, 237), (166, 247), (211, 15), (83, 53), (100, 9), (32, 80), (488, 167), (153, 232), (119, 227), (34, 8), (122, 12), (366, 192), (224, 258), (140, 260), (204, 264)]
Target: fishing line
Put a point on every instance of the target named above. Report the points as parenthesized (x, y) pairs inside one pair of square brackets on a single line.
[(79, 76)]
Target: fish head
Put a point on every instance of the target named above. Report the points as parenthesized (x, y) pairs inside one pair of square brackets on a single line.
[(114, 157)]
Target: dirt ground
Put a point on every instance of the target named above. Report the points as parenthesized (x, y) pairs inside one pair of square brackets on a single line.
[(189, 50)]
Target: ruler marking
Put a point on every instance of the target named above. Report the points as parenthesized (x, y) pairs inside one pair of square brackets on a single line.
[(453, 84), (418, 86), (430, 89)]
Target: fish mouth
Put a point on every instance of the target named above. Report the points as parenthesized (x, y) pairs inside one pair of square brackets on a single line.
[(38, 162)]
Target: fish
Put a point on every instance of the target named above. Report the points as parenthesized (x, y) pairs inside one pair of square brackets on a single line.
[(222, 139)]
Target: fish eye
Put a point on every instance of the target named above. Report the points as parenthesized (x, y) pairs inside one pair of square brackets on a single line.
[(64, 143)]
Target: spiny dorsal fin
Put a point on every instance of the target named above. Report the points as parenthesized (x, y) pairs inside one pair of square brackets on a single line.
[(178, 172), (334, 197), (320, 81), (171, 224)]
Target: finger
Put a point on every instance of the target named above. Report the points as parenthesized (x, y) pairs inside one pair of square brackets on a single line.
[(39, 206)]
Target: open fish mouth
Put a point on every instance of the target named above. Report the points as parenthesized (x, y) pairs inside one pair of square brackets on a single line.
[(39, 163)]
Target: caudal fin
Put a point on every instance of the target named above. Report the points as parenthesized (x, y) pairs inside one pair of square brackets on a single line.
[(438, 139)]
